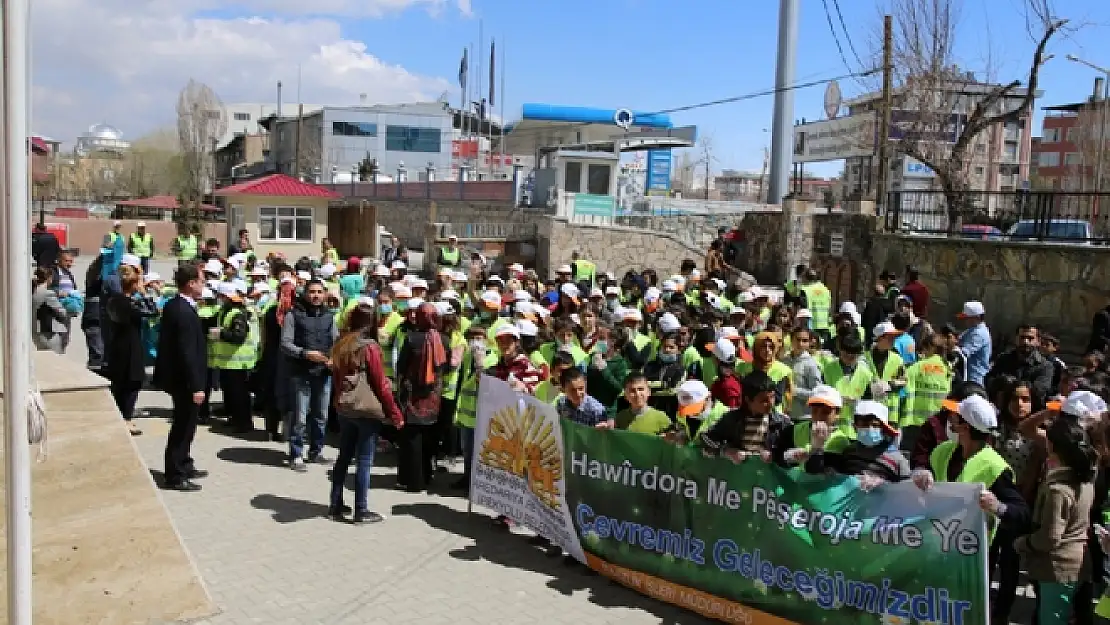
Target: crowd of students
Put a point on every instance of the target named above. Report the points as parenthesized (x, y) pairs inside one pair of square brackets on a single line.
[(750, 374)]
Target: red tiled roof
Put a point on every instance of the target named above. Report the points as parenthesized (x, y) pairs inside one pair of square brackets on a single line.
[(278, 185), (38, 145), (161, 202)]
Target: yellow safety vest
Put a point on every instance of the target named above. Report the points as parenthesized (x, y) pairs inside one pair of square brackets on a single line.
[(852, 389), (237, 357), (984, 468), (890, 369), (927, 385), (584, 271), (819, 302), (451, 380), (187, 247), (450, 256), (142, 246), (386, 339)]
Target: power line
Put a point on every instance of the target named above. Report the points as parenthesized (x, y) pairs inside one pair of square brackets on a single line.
[(836, 38), (847, 35)]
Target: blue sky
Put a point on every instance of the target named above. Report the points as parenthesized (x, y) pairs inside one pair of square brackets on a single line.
[(643, 54)]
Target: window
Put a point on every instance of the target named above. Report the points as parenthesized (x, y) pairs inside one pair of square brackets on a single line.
[(354, 129), (572, 179), (212, 114), (1048, 159), (1073, 158), (1009, 151), (978, 171), (1050, 135), (412, 139), (242, 117), (285, 223), (1070, 135), (597, 179)]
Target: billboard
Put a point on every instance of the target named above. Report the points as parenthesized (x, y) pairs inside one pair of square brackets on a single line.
[(835, 139), (914, 126), (658, 175), (913, 168)]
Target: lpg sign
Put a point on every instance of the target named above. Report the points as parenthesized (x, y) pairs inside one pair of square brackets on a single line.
[(914, 168)]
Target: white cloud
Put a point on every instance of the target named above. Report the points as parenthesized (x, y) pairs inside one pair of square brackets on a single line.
[(123, 61)]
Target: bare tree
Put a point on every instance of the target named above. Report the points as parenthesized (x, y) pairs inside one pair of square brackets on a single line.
[(941, 109), (201, 122)]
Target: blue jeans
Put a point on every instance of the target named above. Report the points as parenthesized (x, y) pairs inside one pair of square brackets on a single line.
[(357, 438), (468, 449), (312, 396)]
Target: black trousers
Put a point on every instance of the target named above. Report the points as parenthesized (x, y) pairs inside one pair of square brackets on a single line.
[(179, 442), (237, 396), (449, 443), (416, 455), (126, 394), (212, 383), (1008, 563)]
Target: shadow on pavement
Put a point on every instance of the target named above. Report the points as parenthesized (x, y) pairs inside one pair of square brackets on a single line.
[(511, 550), (289, 510), (263, 456)]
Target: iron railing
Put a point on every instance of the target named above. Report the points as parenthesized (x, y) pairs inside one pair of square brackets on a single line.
[(476, 190), (1053, 216), (495, 231)]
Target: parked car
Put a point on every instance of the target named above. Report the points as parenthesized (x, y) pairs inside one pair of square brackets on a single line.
[(1074, 231), (981, 232)]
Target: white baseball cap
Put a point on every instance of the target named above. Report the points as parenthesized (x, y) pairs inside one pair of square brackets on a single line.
[(261, 287), (563, 269), (458, 276), (613, 290), (978, 413), (872, 408), (847, 307), (444, 308), (652, 294), (304, 275), (597, 293), (972, 309), (669, 285), (365, 300), (526, 328), (130, 260), (259, 271), (400, 291), (730, 333), (495, 278), (745, 298), (381, 271), (507, 329), (153, 276), (415, 302), (397, 264), (141, 224), (520, 295), (667, 322), (803, 313), (826, 395), (449, 294), (570, 290), (719, 283), (884, 329), (212, 266), (692, 395), (452, 237), (326, 271), (1083, 405), (631, 314), (516, 268), (492, 299), (228, 289), (724, 350), (207, 293), (420, 283)]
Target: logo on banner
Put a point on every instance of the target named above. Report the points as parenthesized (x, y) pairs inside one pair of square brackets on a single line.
[(525, 445), (624, 118)]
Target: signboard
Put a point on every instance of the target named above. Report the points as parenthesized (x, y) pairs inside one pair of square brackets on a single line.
[(596, 205), (910, 125), (835, 139), (747, 543), (464, 148), (836, 244), (658, 173), (913, 168), (833, 100)]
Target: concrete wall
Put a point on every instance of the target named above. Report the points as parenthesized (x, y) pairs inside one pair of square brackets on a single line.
[(613, 248), (86, 234), (1057, 287)]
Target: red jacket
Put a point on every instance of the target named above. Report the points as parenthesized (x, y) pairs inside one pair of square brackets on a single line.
[(727, 390), (919, 295)]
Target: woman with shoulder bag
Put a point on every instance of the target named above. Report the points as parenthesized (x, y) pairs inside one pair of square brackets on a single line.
[(363, 398)]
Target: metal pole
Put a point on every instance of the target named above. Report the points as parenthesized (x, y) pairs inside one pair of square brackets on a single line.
[(15, 315), (1102, 133), (782, 143)]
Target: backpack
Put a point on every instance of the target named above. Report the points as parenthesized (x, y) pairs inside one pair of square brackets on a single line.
[(356, 398)]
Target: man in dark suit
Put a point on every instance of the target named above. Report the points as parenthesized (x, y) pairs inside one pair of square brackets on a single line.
[(180, 370)]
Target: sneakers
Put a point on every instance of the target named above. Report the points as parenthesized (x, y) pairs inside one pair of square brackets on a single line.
[(298, 465), (366, 517), (319, 459)]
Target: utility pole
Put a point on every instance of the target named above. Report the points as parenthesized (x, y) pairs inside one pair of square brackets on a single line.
[(887, 104), (782, 131)]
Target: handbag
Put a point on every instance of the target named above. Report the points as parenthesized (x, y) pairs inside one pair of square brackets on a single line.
[(356, 398)]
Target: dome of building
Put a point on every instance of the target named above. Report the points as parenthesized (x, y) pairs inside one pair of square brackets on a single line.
[(104, 131)]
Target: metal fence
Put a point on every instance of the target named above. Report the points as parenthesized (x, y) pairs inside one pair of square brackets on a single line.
[(668, 206), (507, 231), (475, 190), (1053, 216)]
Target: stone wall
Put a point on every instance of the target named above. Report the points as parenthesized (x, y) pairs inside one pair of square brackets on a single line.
[(406, 218), (612, 248), (1057, 287), (695, 230), (764, 242), (842, 254)]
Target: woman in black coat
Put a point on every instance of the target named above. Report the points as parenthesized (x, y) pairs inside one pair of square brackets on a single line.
[(125, 352)]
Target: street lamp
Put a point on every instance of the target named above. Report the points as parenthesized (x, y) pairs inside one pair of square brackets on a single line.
[(1102, 116)]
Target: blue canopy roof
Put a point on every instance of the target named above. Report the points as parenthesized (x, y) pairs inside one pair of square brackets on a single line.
[(588, 115)]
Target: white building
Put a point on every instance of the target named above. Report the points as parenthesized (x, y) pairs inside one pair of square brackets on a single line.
[(999, 156), (101, 138), (243, 117)]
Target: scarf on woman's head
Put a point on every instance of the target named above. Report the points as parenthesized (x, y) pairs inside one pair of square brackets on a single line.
[(432, 353), (285, 300)]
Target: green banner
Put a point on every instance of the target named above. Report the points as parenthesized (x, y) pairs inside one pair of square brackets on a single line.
[(597, 205), (743, 543)]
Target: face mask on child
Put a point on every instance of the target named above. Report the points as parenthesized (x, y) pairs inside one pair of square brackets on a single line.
[(869, 437), (668, 358)]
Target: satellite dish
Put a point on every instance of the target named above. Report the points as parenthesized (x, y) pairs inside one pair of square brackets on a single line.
[(833, 99)]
